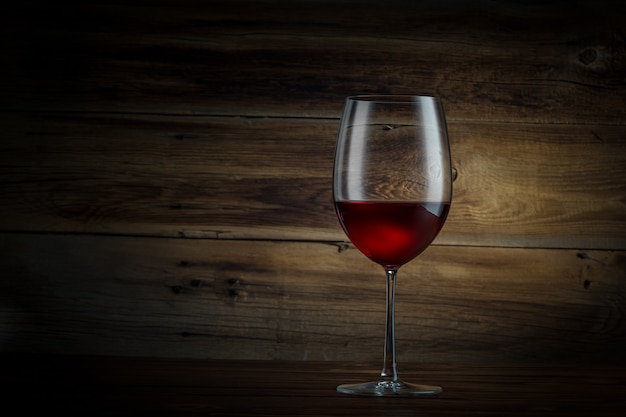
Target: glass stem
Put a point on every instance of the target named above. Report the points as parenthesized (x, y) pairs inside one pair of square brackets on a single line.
[(390, 372)]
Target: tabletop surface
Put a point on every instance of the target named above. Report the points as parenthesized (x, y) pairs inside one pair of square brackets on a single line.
[(87, 385)]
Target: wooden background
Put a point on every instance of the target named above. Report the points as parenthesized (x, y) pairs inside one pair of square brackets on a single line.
[(165, 171)]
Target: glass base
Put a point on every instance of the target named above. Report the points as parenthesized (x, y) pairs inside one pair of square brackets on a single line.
[(384, 388)]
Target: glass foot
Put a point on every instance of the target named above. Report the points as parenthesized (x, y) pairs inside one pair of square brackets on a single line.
[(381, 388)]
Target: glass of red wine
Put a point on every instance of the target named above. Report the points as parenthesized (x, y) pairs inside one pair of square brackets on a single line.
[(392, 187)]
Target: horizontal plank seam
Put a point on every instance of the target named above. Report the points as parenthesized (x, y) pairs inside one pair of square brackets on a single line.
[(291, 117), (189, 115), (341, 244)]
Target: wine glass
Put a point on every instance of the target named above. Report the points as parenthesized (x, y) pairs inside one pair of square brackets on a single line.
[(392, 188)]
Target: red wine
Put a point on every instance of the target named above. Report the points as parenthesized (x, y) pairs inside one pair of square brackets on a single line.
[(390, 233)]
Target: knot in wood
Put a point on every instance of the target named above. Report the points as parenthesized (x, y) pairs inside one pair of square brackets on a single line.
[(196, 283), (588, 56), (177, 289), (234, 288)]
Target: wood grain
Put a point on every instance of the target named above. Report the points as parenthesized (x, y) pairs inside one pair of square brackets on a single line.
[(554, 62), (518, 185), (165, 179), (316, 301)]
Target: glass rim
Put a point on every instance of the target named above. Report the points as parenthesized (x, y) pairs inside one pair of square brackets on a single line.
[(393, 98)]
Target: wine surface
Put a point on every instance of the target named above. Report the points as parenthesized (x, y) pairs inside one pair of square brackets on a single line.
[(391, 233)]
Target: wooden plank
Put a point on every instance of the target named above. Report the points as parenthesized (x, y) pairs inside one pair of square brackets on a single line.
[(316, 301), (552, 62), (519, 185), (163, 387)]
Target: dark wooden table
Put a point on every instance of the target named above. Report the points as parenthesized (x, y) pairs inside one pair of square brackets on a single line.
[(113, 386)]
